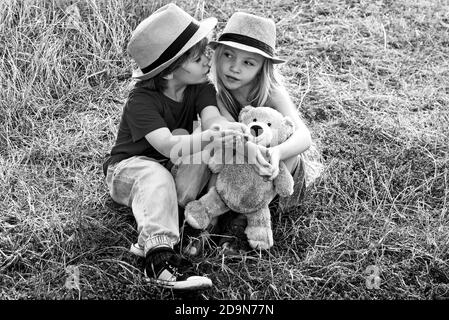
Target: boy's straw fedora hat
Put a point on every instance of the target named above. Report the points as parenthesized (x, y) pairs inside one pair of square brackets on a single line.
[(250, 33), (163, 37)]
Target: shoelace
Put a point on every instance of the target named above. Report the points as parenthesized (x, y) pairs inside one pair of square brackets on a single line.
[(173, 270), (170, 261)]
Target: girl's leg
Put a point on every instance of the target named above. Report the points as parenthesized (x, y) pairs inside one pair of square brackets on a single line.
[(291, 163), (306, 169), (149, 189), (296, 167), (190, 180), (213, 222)]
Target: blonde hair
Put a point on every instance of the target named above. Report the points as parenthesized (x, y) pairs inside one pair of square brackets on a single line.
[(266, 80)]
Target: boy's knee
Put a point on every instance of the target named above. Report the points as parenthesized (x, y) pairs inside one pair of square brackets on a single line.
[(156, 182)]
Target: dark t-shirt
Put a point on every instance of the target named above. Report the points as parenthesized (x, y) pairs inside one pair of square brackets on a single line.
[(147, 110)]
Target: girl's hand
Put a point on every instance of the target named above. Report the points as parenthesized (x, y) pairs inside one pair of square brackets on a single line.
[(274, 158), (256, 156)]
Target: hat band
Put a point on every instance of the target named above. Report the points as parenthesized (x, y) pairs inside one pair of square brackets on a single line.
[(239, 38), (174, 48)]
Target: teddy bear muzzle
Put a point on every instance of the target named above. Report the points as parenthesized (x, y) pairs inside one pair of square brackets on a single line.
[(260, 132), (256, 130)]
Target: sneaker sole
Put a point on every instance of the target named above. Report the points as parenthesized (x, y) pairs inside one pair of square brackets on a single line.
[(192, 283)]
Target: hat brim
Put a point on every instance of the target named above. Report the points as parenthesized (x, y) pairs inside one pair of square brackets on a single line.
[(206, 26), (214, 44)]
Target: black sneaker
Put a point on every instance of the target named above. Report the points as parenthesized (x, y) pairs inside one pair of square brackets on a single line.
[(167, 269)]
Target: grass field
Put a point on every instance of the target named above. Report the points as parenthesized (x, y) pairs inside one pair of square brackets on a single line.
[(370, 78)]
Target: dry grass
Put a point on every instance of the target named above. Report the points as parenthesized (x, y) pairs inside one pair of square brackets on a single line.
[(371, 80)]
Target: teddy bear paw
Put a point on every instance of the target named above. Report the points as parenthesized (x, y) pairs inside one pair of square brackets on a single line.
[(286, 191), (259, 237), (196, 215), (284, 184)]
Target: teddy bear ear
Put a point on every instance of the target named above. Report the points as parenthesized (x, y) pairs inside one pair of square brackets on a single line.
[(244, 112), (288, 123)]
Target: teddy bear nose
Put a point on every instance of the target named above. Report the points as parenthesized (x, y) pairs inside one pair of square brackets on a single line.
[(256, 130)]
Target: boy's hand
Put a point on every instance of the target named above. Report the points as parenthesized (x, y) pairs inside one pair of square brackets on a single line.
[(237, 126), (225, 138)]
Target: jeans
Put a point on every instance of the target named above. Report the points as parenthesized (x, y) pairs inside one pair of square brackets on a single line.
[(153, 194)]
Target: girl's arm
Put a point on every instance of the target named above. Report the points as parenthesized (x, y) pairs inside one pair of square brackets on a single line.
[(300, 140), (297, 143)]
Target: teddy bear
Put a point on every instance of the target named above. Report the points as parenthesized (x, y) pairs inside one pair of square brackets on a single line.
[(238, 186)]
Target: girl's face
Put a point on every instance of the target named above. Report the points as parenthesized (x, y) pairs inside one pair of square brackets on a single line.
[(237, 68), (193, 71)]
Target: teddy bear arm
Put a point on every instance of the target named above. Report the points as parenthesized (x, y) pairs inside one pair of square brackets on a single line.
[(283, 183), (199, 213)]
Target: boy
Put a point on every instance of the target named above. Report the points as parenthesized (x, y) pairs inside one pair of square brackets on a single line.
[(172, 90)]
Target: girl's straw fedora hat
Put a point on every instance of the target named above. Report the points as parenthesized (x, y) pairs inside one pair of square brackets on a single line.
[(163, 37), (250, 33)]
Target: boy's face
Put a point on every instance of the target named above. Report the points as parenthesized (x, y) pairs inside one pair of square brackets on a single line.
[(193, 71), (237, 68)]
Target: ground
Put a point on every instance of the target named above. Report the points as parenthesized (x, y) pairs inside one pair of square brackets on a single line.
[(370, 78)]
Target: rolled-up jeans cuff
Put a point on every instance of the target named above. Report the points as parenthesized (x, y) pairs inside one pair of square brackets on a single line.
[(157, 241)]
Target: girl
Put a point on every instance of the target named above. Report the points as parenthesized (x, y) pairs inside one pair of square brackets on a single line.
[(243, 72)]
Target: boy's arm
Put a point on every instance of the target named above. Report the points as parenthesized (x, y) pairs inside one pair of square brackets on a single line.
[(211, 116), (176, 147)]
